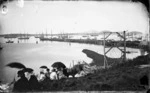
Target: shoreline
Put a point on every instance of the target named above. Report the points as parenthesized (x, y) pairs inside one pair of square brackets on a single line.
[(129, 44)]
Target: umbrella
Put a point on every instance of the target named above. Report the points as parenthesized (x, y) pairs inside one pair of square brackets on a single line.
[(58, 65), (16, 65)]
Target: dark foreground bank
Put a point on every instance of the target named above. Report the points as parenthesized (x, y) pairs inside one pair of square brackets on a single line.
[(121, 77), (131, 75)]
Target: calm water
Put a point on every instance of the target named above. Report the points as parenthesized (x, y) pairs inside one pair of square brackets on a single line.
[(46, 53)]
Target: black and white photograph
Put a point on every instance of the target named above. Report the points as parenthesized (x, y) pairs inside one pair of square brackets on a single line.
[(83, 46)]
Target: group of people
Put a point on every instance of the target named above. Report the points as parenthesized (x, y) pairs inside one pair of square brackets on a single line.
[(28, 81)]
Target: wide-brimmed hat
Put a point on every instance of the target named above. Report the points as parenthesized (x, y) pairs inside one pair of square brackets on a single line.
[(45, 67), (29, 70), (20, 73)]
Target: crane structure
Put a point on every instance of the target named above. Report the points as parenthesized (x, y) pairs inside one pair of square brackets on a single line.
[(114, 45)]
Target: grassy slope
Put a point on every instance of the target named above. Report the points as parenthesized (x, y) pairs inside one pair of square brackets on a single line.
[(124, 76)]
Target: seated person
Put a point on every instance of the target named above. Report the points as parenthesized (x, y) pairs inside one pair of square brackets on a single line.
[(22, 84), (44, 73), (60, 74), (33, 82), (53, 75)]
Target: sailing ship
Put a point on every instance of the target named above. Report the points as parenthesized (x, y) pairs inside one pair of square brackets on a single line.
[(37, 35), (44, 37), (51, 38), (25, 36), (9, 40)]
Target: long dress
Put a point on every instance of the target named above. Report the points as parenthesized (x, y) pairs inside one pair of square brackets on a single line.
[(44, 84), (33, 83), (22, 85)]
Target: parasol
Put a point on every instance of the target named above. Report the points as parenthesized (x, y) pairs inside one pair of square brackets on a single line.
[(16, 65), (58, 65)]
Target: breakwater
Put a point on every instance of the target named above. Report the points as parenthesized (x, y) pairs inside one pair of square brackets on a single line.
[(109, 43)]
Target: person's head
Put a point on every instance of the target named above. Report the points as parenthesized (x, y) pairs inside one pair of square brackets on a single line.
[(4, 7), (60, 69), (21, 73), (28, 72), (65, 72), (48, 70), (53, 70), (41, 73), (44, 69)]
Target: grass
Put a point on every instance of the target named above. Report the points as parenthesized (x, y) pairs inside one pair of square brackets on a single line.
[(121, 77)]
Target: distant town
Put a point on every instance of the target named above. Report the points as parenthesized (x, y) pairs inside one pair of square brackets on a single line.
[(130, 36)]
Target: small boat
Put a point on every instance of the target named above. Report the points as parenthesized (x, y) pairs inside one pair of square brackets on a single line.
[(24, 36), (9, 41)]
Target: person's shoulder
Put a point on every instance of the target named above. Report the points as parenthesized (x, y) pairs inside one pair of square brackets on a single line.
[(33, 78), (19, 80), (23, 80)]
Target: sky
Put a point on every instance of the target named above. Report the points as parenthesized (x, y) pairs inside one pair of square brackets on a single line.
[(73, 17)]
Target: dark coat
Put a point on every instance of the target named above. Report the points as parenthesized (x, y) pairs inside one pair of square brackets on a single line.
[(22, 85), (44, 84), (144, 80), (33, 83)]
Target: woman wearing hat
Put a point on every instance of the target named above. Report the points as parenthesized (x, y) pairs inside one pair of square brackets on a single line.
[(44, 73), (22, 84), (54, 75), (33, 82), (44, 78)]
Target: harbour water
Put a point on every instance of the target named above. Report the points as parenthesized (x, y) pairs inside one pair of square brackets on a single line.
[(46, 53)]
